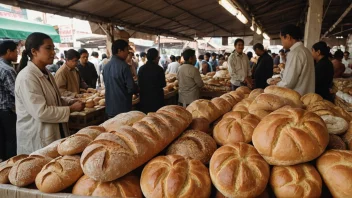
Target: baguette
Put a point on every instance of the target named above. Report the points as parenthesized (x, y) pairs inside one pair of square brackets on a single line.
[(50, 150), (122, 119), (59, 174), (26, 170), (76, 143), (114, 154), (6, 166), (204, 108)]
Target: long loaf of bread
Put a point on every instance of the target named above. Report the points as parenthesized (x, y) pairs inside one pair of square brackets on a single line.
[(6, 166), (114, 154)]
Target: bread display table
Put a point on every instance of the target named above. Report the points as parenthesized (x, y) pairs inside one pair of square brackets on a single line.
[(171, 98)]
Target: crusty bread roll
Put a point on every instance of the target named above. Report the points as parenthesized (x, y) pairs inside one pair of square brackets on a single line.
[(335, 125), (200, 124), (243, 89), (204, 108), (301, 180), (175, 176), (96, 100), (347, 137), (290, 136), (235, 126), (193, 144), (343, 114), (310, 98), (335, 142), (76, 143), (101, 102), (25, 170), (124, 187), (265, 194), (6, 166), (287, 93), (243, 105), (114, 154), (256, 92), (50, 150), (237, 170), (89, 103), (237, 95), (222, 105), (59, 174), (233, 101), (335, 167), (123, 119)]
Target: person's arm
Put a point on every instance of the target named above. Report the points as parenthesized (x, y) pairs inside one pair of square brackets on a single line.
[(198, 78), (162, 78), (292, 72), (127, 75), (35, 103)]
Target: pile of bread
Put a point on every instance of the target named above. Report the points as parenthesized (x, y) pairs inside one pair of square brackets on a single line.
[(171, 83), (242, 144), (342, 83), (217, 81)]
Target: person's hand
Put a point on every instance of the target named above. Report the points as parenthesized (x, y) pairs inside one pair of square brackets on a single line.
[(72, 101), (249, 82), (77, 106)]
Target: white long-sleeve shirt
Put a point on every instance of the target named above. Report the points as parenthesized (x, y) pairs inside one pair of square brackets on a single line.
[(299, 73), (239, 69)]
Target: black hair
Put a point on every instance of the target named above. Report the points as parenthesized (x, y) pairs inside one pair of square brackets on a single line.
[(152, 54), (221, 56), (258, 46), (292, 30), (7, 45), (33, 41), (143, 54), (118, 45), (338, 54), (95, 54), (201, 57), (239, 40), (347, 52), (188, 53), (323, 47), (71, 54), (178, 58), (250, 55), (82, 51), (213, 54), (137, 55), (103, 56), (207, 54), (282, 50), (172, 58)]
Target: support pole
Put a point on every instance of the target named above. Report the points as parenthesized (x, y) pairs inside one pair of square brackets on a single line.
[(313, 23), (159, 45)]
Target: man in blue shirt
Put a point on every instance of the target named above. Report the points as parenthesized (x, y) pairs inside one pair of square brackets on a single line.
[(119, 84), (8, 53), (214, 63)]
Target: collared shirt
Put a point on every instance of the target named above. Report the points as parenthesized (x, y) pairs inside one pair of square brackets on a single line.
[(95, 62), (299, 73), (172, 68), (346, 62), (88, 74), (68, 80), (190, 82), (7, 85), (238, 66)]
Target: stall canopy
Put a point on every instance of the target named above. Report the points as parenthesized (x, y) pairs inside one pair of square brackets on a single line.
[(15, 29)]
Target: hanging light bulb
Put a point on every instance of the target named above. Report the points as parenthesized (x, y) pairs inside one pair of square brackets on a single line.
[(259, 31), (266, 36), (229, 6)]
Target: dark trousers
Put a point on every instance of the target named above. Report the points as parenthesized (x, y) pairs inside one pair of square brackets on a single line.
[(8, 144)]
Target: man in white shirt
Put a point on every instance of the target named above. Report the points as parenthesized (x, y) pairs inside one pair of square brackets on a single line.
[(346, 61), (95, 60), (299, 73), (238, 66), (172, 68)]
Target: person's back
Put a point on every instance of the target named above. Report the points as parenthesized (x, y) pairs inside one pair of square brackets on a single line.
[(118, 81), (339, 68), (172, 68)]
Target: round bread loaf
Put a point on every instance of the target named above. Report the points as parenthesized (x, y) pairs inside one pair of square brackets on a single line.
[(194, 144), (244, 90), (76, 143), (89, 103), (6, 166), (237, 170), (236, 126), (233, 101), (347, 137), (123, 119), (26, 170), (175, 176), (243, 105), (311, 98), (290, 136), (335, 142), (204, 108), (286, 93), (301, 180), (59, 174), (222, 105), (200, 124), (124, 187), (321, 108), (101, 102), (96, 100), (335, 125), (335, 167), (265, 194), (255, 93)]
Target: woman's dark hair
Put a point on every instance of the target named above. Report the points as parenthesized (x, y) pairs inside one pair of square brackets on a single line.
[(104, 56), (221, 56), (152, 54), (71, 54), (338, 54), (7, 45), (323, 47), (201, 57), (213, 54), (82, 51), (250, 55), (33, 41), (188, 53), (143, 54), (292, 30), (172, 58), (239, 40), (118, 45)]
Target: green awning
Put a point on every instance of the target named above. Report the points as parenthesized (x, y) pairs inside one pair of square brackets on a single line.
[(20, 30)]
